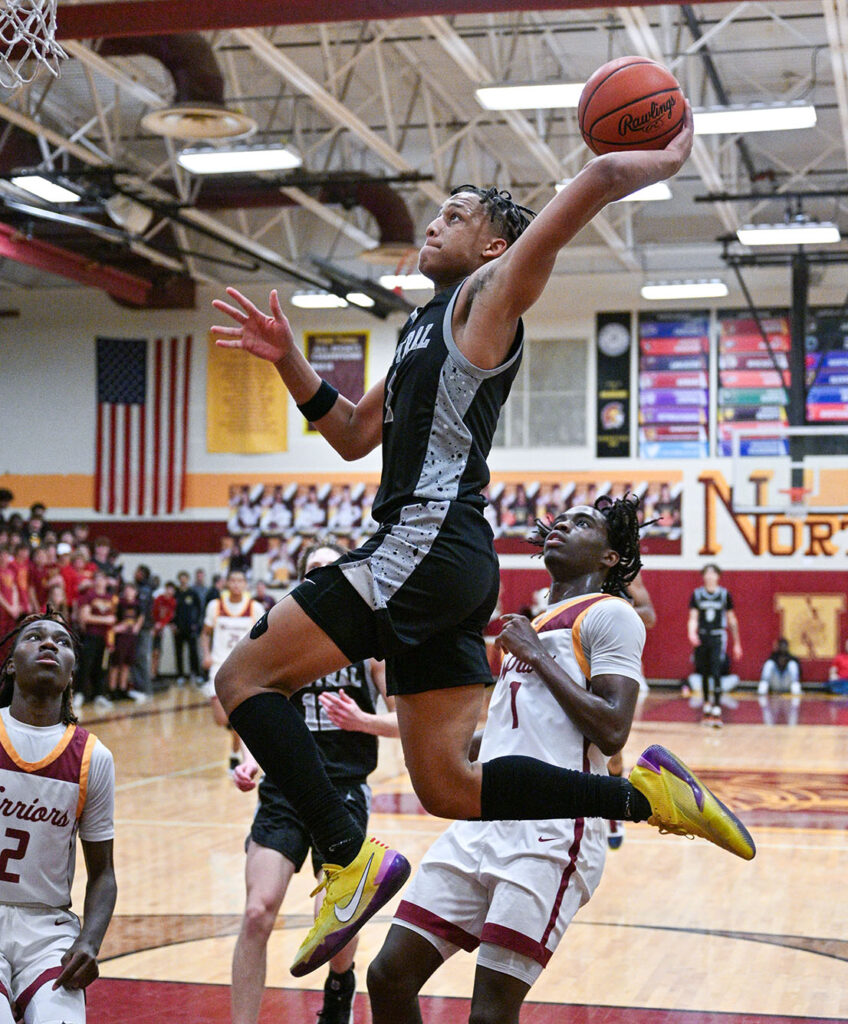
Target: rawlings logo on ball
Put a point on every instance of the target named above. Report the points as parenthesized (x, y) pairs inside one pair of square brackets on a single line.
[(650, 120)]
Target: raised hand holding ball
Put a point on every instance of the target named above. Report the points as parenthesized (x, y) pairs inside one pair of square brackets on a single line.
[(630, 103)]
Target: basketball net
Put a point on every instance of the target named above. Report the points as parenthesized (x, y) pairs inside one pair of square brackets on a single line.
[(797, 507), (27, 41)]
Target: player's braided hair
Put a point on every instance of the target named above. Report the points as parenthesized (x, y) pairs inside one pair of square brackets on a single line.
[(509, 218), (621, 515), (7, 679)]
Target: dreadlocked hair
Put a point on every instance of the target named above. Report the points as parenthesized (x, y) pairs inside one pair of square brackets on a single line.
[(7, 680), (508, 217), (622, 518)]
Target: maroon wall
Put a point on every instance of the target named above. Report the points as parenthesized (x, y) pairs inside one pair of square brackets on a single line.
[(667, 650)]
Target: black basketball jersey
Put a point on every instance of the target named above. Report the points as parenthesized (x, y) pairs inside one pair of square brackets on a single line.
[(348, 756), (439, 413), (712, 610)]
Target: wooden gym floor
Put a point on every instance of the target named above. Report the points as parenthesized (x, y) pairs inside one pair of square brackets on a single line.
[(678, 931)]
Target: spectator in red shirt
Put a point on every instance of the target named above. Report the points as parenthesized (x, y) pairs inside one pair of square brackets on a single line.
[(86, 570), (164, 606), (69, 574), (129, 620), (42, 575), (838, 673), (10, 604), (22, 567), (95, 612)]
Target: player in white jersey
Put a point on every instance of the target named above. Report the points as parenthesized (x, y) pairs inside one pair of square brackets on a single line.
[(228, 618), (566, 695), (57, 781)]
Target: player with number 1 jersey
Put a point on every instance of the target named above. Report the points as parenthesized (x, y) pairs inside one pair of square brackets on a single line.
[(514, 886)]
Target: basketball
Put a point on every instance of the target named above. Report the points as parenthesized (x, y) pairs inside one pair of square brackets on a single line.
[(630, 103)]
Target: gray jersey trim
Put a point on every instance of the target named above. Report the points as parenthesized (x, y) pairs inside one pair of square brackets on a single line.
[(377, 578), (463, 361), (450, 440)]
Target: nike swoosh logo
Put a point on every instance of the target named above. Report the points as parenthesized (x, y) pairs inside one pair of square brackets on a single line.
[(345, 913), (550, 839)]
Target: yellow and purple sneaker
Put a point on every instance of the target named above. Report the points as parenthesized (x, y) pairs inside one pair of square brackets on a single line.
[(353, 895), (682, 804)]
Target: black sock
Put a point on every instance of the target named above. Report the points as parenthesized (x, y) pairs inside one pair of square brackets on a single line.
[(519, 788), (278, 738)]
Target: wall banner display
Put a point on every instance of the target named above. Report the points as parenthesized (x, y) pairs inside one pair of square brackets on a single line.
[(674, 397), (827, 365), (612, 352), (339, 357), (752, 389), (245, 403)]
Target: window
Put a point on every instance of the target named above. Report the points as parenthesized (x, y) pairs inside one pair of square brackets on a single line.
[(548, 403)]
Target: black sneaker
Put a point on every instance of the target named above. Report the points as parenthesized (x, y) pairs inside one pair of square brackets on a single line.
[(339, 991)]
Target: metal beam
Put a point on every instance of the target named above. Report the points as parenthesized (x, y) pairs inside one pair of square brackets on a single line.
[(642, 36), (35, 253), (466, 60), (167, 17), (273, 58)]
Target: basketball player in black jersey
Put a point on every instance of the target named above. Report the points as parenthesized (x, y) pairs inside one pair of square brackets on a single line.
[(419, 592)]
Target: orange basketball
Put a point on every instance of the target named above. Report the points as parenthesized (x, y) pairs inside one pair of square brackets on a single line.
[(630, 103)]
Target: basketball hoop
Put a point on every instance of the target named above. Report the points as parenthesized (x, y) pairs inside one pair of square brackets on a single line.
[(27, 41), (797, 501)]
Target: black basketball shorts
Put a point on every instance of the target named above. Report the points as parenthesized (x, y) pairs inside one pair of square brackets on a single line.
[(418, 594), (277, 826)]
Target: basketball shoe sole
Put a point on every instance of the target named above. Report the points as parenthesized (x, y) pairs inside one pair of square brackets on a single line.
[(353, 894), (682, 804)]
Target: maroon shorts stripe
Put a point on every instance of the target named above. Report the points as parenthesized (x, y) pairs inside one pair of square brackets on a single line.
[(27, 994), (499, 935), (436, 925)]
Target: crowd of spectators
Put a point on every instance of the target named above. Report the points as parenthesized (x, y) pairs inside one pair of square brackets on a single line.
[(122, 619)]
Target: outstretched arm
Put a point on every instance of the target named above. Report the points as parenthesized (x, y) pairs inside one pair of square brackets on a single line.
[(500, 291), (352, 429)]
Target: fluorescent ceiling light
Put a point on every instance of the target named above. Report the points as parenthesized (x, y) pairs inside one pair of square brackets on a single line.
[(648, 194), (360, 299), (801, 233), (741, 120), (36, 185), (240, 159), (530, 97), (685, 290), (408, 282), (317, 300)]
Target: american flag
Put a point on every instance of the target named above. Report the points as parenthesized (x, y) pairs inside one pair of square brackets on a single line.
[(142, 425)]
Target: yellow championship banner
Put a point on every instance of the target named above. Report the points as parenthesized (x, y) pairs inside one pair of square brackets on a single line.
[(245, 403)]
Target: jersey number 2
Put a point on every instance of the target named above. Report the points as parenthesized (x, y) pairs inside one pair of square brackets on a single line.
[(13, 853)]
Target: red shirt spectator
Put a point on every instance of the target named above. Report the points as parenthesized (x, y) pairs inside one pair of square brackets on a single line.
[(42, 575), (164, 606), (10, 605), (95, 610), (23, 566)]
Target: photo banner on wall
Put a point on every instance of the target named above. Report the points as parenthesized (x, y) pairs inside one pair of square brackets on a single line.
[(612, 354), (339, 357), (245, 403), (674, 401)]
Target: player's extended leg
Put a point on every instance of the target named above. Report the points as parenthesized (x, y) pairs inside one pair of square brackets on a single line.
[(267, 875), (436, 729), (284, 651), (496, 998), (397, 974)]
